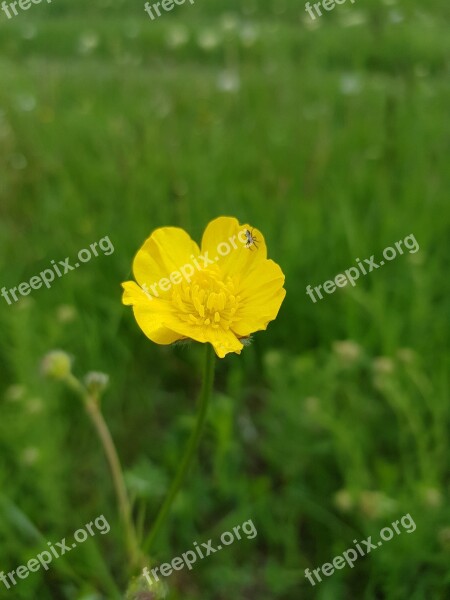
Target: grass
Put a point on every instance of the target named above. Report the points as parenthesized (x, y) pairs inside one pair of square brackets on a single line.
[(332, 139)]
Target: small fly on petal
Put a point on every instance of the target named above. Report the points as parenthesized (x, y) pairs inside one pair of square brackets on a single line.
[(251, 239)]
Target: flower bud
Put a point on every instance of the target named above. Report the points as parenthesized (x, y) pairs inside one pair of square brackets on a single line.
[(375, 504), (383, 365), (30, 456), (66, 313), (343, 500), (141, 589), (57, 364), (432, 497), (15, 393), (96, 382), (347, 351), (407, 356)]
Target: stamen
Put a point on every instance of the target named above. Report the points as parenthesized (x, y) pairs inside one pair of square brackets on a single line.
[(207, 300)]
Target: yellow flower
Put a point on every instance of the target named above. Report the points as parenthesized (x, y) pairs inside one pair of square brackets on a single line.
[(219, 295)]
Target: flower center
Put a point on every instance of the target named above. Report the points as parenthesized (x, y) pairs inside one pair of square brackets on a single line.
[(207, 300)]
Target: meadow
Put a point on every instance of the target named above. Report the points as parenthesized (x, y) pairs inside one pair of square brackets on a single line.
[(332, 138)]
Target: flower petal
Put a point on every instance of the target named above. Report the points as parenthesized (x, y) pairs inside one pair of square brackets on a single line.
[(226, 232), (150, 314), (162, 254), (262, 293), (224, 342)]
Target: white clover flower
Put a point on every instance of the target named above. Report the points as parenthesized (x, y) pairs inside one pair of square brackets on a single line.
[(208, 39), (87, 42), (177, 36), (66, 313), (353, 18), (249, 34), (29, 31), (347, 351), (15, 393), (26, 102), (383, 365), (34, 406), (229, 22), (30, 456), (229, 81), (350, 84)]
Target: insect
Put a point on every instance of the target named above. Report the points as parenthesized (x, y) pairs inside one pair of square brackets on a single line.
[(251, 240)]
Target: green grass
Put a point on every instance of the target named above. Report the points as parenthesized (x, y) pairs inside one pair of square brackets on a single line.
[(335, 144)]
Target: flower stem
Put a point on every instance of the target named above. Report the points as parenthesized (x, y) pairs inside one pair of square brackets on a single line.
[(191, 448), (104, 434), (91, 403)]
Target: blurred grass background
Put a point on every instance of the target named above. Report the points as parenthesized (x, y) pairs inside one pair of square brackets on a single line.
[(332, 138)]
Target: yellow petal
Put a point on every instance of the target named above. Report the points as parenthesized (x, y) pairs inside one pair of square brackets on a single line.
[(262, 293), (258, 318), (223, 342), (224, 240), (150, 314), (164, 253)]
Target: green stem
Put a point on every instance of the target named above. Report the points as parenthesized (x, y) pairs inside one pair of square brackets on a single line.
[(117, 476), (191, 448), (91, 404)]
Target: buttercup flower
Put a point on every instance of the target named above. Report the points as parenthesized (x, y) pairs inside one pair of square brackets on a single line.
[(219, 295)]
